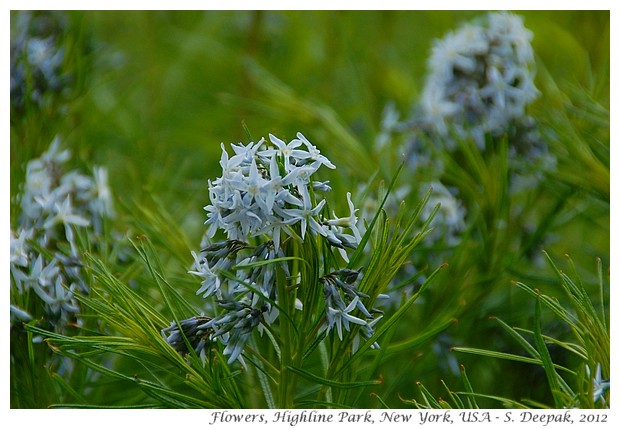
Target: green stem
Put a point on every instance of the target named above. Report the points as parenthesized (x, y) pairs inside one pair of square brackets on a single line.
[(284, 397)]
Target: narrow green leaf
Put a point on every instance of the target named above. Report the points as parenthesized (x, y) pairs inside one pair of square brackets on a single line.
[(506, 356), (522, 341), (339, 384), (317, 340), (469, 388), (322, 404), (181, 399), (601, 285), (507, 403), (547, 363), (388, 324), (264, 384), (554, 306), (269, 261), (103, 407), (381, 401), (577, 349), (428, 397), (455, 398), (246, 131), (67, 387), (357, 254), (427, 335)]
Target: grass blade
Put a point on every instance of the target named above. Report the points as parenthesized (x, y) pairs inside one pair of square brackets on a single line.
[(331, 383), (547, 363), (506, 356)]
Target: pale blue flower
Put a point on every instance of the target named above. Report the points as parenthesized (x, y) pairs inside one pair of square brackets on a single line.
[(349, 221), (599, 385), (65, 215), (53, 199), (286, 151), (230, 165), (321, 186), (247, 152), (508, 29), (17, 314), (102, 201), (63, 300), (306, 215), (438, 109), (313, 154), (276, 188), (337, 317), (211, 283), (238, 323), (20, 248), (367, 330)]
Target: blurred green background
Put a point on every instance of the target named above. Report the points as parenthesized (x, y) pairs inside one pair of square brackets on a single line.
[(161, 90), (155, 93)]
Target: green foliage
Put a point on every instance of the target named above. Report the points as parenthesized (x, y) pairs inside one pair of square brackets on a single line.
[(130, 324), (158, 371), (588, 344)]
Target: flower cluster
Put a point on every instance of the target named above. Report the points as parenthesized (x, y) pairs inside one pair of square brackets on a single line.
[(197, 336), (266, 191), (44, 253), (479, 84), (37, 57), (265, 196), (248, 298), (480, 79), (341, 298)]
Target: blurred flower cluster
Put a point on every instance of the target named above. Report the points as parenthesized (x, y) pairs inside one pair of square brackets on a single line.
[(479, 84), (475, 108), (449, 220), (44, 252), (265, 197), (480, 80), (37, 56)]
